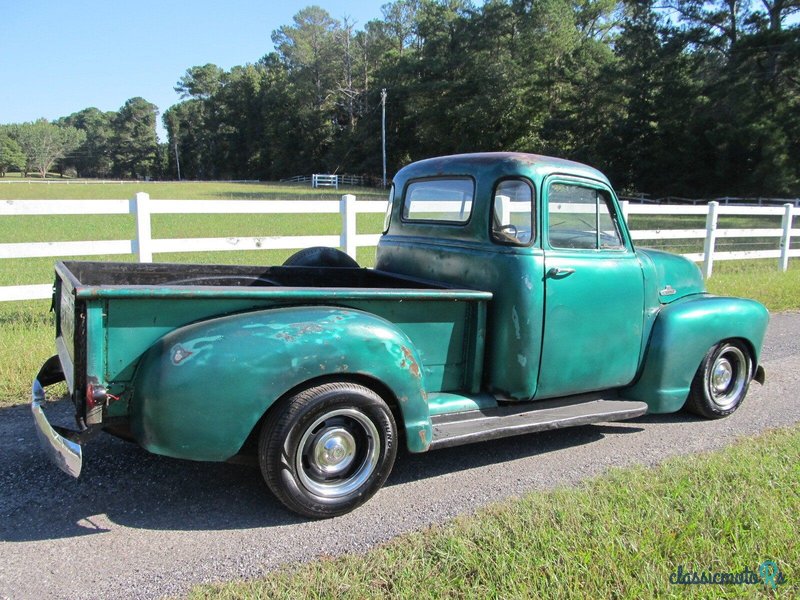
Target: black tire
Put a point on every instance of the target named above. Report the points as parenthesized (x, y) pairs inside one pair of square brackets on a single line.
[(721, 382), (320, 256), (328, 449)]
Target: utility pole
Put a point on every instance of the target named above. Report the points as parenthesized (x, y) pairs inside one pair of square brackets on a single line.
[(177, 160), (383, 133)]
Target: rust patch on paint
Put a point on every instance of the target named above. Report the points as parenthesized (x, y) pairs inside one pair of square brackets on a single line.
[(306, 328), (410, 362), (423, 436)]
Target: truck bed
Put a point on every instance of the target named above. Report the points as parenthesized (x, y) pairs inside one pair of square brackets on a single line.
[(100, 278), (109, 314)]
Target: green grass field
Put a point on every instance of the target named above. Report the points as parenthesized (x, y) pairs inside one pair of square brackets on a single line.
[(622, 535)]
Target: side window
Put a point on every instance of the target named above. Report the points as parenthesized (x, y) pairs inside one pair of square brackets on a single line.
[(388, 217), (439, 200), (512, 214), (581, 217)]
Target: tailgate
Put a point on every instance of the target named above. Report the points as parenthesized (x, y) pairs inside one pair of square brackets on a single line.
[(70, 326)]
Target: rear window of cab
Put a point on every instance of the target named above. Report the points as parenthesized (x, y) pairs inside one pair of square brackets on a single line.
[(440, 200)]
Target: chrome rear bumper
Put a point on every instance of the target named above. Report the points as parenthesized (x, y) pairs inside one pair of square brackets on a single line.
[(65, 453)]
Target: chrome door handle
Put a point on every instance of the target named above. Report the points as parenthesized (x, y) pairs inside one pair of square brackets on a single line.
[(556, 272)]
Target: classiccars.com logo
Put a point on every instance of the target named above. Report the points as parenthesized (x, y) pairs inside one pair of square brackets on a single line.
[(767, 573)]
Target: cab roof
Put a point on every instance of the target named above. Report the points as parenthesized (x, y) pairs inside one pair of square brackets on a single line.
[(496, 164)]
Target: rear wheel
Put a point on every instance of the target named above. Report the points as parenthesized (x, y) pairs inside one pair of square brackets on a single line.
[(328, 449), (721, 382)]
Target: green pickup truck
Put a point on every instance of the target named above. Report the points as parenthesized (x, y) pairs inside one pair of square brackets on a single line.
[(507, 298)]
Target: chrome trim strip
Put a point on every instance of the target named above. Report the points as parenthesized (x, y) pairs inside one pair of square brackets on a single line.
[(66, 454)]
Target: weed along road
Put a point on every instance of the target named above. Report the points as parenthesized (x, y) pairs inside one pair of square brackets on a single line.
[(139, 526)]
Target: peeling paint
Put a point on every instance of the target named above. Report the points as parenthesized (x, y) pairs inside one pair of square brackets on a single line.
[(515, 320), (522, 359), (412, 364), (423, 436), (182, 353), (179, 354)]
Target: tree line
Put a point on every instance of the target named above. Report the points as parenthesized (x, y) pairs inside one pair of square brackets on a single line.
[(681, 97), (89, 143)]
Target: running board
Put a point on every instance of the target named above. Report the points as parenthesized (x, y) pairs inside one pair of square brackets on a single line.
[(454, 429)]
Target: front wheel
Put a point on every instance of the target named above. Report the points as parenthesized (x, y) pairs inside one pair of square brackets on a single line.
[(328, 449), (721, 382)]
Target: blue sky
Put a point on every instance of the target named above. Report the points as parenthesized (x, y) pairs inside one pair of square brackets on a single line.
[(58, 57)]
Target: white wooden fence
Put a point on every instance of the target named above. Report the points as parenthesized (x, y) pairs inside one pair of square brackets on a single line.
[(144, 246), (711, 233)]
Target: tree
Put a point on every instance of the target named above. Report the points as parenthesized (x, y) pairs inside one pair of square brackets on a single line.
[(135, 143), (11, 155), (201, 82), (44, 143), (93, 158), (700, 99)]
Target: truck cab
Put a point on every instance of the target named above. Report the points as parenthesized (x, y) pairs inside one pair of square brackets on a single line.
[(546, 237), (575, 306)]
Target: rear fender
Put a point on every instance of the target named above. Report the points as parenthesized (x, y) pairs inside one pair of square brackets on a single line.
[(683, 333), (201, 389)]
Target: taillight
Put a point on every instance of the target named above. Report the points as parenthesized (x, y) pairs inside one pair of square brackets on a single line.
[(96, 395)]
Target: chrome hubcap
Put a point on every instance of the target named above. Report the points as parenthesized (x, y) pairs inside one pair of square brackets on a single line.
[(723, 373), (334, 451), (337, 453), (727, 379)]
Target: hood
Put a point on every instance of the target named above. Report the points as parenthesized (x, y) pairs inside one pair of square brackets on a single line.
[(674, 275)]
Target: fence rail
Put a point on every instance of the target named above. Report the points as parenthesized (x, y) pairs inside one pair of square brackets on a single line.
[(348, 207), (725, 200)]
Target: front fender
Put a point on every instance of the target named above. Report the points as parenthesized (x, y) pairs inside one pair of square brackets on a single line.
[(683, 333), (201, 389)]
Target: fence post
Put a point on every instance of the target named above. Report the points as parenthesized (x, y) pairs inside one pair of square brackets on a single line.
[(623, 205), (347, 208), (711, 239), (786, 238), (144, 237)]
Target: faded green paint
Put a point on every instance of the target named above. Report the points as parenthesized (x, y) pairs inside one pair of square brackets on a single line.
[(96, 331), (514, 317), (683, 333), (294, 295), (201, 389), (670, 277)]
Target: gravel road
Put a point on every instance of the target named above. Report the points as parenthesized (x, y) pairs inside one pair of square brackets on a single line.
[(140, 526)]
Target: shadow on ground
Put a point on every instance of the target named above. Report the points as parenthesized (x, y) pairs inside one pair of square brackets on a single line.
[(122, 484)]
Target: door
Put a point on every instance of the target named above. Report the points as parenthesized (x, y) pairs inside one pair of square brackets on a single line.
[(594, 292)]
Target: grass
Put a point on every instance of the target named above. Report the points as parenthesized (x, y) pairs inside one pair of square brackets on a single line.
[(195, 190), (760, 280), (618, 536)]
